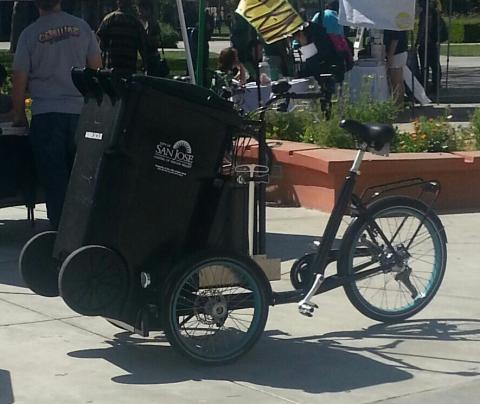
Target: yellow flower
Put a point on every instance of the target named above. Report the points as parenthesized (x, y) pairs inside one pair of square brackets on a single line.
[(28, 102)]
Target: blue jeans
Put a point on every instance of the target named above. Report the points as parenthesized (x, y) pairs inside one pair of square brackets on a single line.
[(52, 136)]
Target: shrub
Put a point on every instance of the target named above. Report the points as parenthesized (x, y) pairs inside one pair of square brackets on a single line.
[(464, 30), (311, 127), (457, 32), (475, 127), (434, 135), (428, 135), (472, 33), (170, 37), (289, 125)]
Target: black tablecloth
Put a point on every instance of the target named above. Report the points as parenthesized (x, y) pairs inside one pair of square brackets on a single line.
[(17, 172)]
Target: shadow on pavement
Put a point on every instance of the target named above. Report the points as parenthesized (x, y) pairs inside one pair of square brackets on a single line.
[(308, 366), (288, 246), (6, 392), (314, 364)]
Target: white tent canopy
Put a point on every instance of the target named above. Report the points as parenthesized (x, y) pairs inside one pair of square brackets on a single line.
[(397, 15)]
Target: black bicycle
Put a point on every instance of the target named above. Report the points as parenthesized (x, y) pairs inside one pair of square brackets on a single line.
[(390, 262)]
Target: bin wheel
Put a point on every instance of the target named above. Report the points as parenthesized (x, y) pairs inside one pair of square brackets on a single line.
[(93, 280), (299, 273), (215, 307), (37, 266)]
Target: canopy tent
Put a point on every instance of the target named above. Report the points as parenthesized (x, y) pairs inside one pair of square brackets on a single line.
[(396, 15)]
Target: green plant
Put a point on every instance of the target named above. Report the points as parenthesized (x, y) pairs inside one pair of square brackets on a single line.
[(475, 127), (170, 37), (288, 125), (434, 135), (310, 125), (364, 109)]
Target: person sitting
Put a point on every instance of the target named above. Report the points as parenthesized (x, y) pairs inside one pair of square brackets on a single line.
[(6, 106), (230, 71)]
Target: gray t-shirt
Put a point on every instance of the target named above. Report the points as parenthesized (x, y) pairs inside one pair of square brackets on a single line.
[(46, 51)]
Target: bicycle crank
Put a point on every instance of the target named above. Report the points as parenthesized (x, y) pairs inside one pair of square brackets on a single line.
[(306, 306)]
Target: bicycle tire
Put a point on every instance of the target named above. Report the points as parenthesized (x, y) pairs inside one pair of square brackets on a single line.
[(429, 238), (37, 266), (197, 310)]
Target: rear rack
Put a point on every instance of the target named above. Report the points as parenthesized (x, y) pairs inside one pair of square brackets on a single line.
[(425, 187)]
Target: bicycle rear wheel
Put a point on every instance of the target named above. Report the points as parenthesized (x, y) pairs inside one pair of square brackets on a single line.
[(398, 290), (215, 307)]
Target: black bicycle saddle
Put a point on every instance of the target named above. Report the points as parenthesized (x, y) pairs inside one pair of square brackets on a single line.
[(375, 135)]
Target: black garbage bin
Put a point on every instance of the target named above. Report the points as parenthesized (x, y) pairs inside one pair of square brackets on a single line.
[(144, 189)]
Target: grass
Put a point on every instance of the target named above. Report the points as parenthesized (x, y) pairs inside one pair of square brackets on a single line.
[(461, 49), (176, 61), (474, 19), (178, 65), (6, 59)]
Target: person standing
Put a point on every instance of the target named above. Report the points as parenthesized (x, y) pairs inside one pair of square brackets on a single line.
[(432, 45), (122, 37), (330, 18), (396, 47), (23, 14), (46, 52), (153, 38)]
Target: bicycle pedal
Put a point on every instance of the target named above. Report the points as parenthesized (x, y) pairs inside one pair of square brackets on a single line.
[(306, 314), (307, 309)]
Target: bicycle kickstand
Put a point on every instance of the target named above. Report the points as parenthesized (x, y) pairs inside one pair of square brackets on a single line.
[(306, 307)]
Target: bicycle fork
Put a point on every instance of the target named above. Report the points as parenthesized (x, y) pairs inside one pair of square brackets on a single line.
[(306, 306)]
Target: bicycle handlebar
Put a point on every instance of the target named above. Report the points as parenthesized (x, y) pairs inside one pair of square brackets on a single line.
[(293, 96)]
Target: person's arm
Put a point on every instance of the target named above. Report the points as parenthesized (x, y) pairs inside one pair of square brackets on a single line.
[(101, 33), (94, 61), (19, 89), (143, 45), (391, 51), (94, 55), (421, 28), (21, 69), (154, 37)]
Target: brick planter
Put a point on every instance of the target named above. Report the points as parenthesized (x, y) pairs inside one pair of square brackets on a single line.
[(308, 176)]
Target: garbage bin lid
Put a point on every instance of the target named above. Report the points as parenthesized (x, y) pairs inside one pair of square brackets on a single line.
[(189, 92)]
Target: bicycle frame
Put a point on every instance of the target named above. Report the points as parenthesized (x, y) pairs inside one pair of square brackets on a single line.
[(323, 256)]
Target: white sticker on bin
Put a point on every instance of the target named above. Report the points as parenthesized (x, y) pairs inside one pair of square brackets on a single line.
[(94, 135)]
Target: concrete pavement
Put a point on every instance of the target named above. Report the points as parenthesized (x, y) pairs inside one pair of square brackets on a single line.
[(49, 354)]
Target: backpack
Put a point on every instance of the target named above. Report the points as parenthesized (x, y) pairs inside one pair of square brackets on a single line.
[(342, 48)]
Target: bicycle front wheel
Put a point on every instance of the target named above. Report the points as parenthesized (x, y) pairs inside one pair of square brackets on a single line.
[(386, 285)]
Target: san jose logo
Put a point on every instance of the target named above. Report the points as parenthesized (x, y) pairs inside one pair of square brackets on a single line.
[(179, 154)]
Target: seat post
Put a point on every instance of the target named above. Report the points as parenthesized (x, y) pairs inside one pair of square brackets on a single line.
[(358, 159)]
